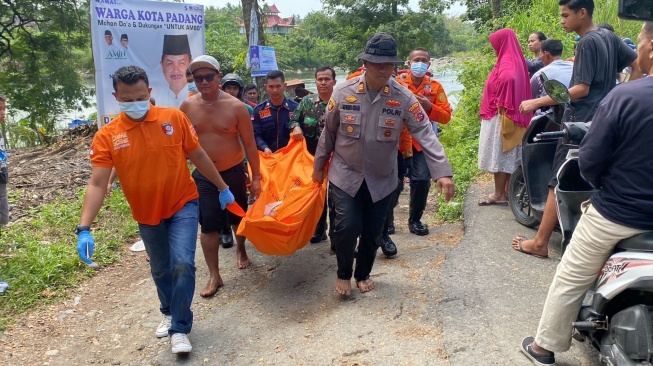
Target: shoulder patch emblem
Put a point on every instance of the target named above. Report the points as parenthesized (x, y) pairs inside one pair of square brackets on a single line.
[(393, 103), (167, 128), (331, 105), (442, 97), (414, 108), (351, 99)]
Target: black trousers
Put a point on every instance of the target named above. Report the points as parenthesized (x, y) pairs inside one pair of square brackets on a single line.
[(320, 228), (420, 183), (357, 217), (401, 173)]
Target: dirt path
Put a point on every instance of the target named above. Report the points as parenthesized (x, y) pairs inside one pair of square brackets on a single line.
[(281, 311)]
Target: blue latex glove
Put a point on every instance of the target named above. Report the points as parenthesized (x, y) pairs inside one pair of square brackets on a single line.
[(226, 198), (85, 246)]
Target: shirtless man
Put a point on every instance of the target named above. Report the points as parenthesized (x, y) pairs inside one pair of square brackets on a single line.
[(220, 120)]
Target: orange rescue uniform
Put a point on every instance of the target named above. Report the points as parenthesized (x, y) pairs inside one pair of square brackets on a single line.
[(150, 159), (441, 110)]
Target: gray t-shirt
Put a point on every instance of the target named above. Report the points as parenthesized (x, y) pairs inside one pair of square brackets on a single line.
[(600, 55)]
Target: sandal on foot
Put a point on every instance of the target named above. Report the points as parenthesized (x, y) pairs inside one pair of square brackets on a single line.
[(492, 202), (521, 249), (540, 359)]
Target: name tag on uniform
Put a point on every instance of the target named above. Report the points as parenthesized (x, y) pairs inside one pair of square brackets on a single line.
[(350, 107)]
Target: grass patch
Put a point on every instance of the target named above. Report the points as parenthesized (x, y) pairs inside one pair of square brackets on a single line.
[(39, 253), (460, 136)]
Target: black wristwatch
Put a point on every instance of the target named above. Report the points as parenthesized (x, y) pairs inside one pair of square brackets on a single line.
[(81, 228)]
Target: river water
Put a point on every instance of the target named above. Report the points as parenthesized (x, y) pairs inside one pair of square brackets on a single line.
[(448, 79)]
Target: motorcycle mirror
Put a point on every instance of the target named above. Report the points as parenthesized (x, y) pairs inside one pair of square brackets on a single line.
[(557, 91), (636, 9)]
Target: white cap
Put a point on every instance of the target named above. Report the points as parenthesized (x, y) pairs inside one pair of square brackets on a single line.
[(204, 62)]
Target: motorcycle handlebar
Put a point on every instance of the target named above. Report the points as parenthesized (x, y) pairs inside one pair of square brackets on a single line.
[(549, 136)]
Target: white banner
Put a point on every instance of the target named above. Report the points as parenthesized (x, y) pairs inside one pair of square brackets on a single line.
[(160, 37)]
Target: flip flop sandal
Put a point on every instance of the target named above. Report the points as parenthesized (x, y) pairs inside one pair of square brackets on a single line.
[(521, 249), (490, 202)]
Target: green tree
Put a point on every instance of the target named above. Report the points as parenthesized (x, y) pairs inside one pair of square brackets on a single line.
[(419, 30), (40, 42), (357, 20)]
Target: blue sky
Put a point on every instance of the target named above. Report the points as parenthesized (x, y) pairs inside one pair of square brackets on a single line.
[(303, 7)]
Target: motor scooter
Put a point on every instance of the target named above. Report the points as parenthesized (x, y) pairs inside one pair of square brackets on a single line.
[(528, 186), (617, 313)]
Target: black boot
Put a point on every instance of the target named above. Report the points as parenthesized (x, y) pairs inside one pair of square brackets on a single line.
[(419, 192), (227, 237), (388, 247)]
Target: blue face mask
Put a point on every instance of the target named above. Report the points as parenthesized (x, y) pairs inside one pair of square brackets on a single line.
[(135, 110), (192, 88), (418, 69)]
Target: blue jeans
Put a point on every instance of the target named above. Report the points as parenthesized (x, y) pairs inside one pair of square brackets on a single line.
[(171, 247)]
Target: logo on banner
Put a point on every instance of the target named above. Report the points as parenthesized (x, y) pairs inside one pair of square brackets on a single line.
[(167, 128), (116, 55)]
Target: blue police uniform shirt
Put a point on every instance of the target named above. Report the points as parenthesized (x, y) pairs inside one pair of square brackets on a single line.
[(271, 124)]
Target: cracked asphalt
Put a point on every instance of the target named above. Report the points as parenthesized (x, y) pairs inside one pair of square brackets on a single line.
[(441, 301)]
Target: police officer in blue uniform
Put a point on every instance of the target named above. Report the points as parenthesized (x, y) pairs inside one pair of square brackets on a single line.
[(271, 117)]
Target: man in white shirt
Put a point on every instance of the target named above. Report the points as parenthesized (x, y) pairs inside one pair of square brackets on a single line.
[(554, 68)]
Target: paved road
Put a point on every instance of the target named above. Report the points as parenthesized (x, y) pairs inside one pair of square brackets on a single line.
[(493, 294), (437, 303)]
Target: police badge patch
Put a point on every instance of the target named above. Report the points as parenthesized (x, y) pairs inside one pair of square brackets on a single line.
[(167, 128), (351, 99)]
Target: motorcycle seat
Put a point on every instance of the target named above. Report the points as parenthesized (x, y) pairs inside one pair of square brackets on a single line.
[(641, 242)]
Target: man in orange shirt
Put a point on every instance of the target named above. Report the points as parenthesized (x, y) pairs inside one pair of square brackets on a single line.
[(148, 147), (431, 96)]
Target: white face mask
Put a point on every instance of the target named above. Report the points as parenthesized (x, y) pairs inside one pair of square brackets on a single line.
[(135, 110), (418, 68)]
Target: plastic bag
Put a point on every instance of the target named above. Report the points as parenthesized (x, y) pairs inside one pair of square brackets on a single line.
[(282, 220)]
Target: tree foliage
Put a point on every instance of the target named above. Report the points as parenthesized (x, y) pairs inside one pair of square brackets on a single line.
[(42, 44)]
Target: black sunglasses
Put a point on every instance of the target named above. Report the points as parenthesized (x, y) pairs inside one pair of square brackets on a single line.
[(200, 79)]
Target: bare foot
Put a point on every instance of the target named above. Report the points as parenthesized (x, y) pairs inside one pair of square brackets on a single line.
[(343, 287), (366, 285), (528, 246), (242, 259), (212, 286)]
